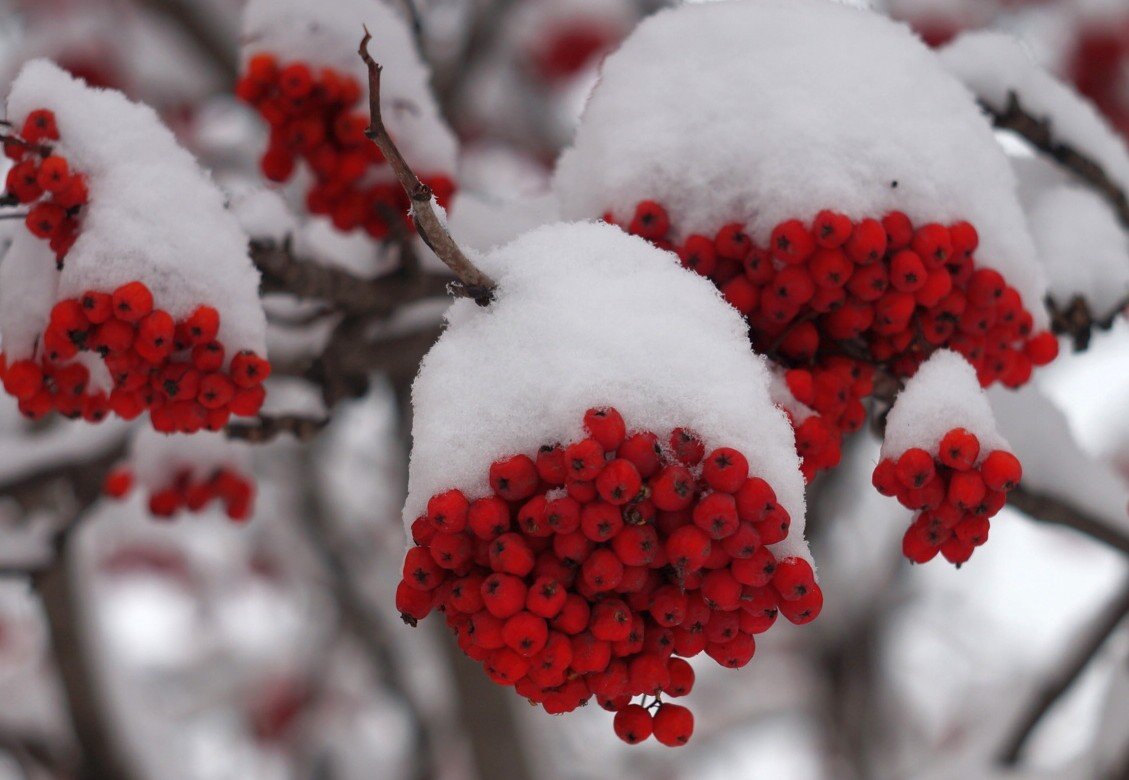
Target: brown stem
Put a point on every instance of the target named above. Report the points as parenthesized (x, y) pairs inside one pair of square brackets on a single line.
[(477, 285), (1046, 508), (1054, 688)]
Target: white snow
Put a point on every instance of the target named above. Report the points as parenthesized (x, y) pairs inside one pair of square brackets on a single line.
[(1053, 461), (1083, 247), (585, 315), (157, 458), (327, 33), (153, 214), (994, 64), (765, 110), (942, 395), (29, 287)]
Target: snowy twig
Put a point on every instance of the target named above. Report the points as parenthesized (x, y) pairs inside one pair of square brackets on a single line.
[(268, 427), (1077, 321), (1049, 509), (284, 272), (1095, 636), (1040, 134), (475, 284)]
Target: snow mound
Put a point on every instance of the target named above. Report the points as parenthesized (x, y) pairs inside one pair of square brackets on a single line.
[(585, 315), (996, 64), (942, 395), (1083, 247), (327, 34), (153, 216), (759, 111)]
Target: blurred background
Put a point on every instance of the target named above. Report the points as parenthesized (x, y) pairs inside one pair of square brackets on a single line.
[(200, 649)]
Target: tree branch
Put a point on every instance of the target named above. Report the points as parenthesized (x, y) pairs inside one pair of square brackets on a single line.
[(1046, 508), (1040, 134), (283, 272), (477, 285), (1091, 642), (268, 427)]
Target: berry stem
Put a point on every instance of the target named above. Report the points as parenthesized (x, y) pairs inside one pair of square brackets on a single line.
[(472, 283)]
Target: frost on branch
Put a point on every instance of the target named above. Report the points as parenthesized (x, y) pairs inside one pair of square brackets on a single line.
[(995, 66), (944, 458), (867, 242), (131, 288), (186, 473), (598, 471), (301, 73)]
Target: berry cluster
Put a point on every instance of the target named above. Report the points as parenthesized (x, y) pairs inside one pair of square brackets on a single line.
[(954, 493), (315, 117), (187, 492), (831, 297), (595, 564), (572, 47), (44, 180), (175, 370)]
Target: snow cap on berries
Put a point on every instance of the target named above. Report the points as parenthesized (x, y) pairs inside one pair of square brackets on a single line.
[(326, 34), (586, 316), (944, 394), (719, 111), (153, 216)]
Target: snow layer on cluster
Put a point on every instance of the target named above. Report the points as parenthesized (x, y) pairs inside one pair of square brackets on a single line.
[(153, 215), (326, 33), (942, 395), (765, 110), (586, 316), (1084, 249), (996, 64), (156, 458)]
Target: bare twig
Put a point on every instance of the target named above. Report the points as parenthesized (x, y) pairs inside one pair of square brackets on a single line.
[(1049, 509), (1054, 688), (269, 427), (284, 272), (477, 285), (1040, 134)]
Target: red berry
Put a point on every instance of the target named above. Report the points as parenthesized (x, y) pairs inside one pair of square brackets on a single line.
[(632, 724), (448, 511), (650, 221), (1001, 470), (606, 426), (618, 482), (915, 468), (673, 725), (959, 449), (40, 126), (514, 479), (791, 242), (132, 302)]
